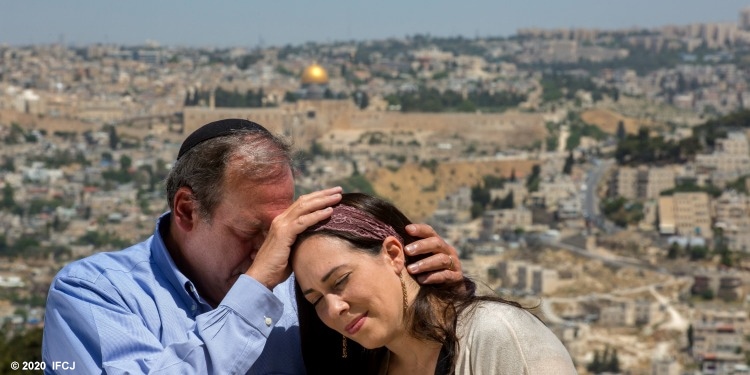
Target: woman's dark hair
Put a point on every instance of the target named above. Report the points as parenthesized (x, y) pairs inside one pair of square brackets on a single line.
[(433, 314)]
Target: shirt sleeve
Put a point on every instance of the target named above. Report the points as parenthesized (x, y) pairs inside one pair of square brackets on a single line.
[(88, 324), (503, 339)]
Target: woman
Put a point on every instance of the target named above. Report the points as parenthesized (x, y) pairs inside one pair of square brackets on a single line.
[(352, 287)]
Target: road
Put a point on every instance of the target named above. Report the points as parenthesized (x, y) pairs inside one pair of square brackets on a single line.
[(611, 260), (591, 199), (675, 322)]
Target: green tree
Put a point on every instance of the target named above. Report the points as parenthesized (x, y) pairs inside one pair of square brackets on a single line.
[(480, 195), (698, 252), (568, 167), (9, 164), (114, 139), (534, 178), (507, 202), (476, 210), (317, 149), (26, 346), (361, 99), (613, 365), (125, 162), (8, 201), (674, 251), (596, 363), (726, 259), (620, 131)]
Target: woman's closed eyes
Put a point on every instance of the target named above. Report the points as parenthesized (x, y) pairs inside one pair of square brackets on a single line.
[(338, 286)]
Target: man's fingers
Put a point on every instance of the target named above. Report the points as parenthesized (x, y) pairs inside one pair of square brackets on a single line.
[(436, 262), (309, 209), (421, 230), (430, 245), (319, 199), (271, 264), (312, 218), (437, 277)]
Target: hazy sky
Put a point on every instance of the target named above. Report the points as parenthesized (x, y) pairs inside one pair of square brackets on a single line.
[(278, 22)]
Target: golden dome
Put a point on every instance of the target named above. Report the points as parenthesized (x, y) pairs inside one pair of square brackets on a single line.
[(314, 74)]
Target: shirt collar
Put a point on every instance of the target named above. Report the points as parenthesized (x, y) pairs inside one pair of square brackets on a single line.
[(166, 264)]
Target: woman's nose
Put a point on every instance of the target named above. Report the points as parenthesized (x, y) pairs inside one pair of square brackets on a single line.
[(336, 305)]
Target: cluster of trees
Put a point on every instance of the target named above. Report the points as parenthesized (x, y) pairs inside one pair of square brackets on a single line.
[(739, 185), (534, 178), (432, 100), (691, 187), (224, 57), (714, 129), (604, 362), (482, 199), (60, 158), (557, 86), (27, 244), (8, 200), (356, 183), (641, 148), (680, 85), (145, 176), (568, 166), (640, 59), (103, 238), (229, 99), (30, 247), (16, 135), (254, 99), (693, 252), (578, 128), (720, 248), (395, 48), (622, 212), (22, 347)]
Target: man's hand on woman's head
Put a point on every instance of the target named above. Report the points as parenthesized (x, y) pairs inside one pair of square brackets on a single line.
[(271, 265), (442, 264)]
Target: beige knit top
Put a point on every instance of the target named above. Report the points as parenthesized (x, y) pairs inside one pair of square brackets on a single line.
[(499, 339)]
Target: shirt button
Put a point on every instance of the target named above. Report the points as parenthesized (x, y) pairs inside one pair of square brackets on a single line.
[(269, 321), (194, 307)]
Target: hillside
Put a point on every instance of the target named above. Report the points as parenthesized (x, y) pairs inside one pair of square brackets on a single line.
[(417, 189), (607, 121)]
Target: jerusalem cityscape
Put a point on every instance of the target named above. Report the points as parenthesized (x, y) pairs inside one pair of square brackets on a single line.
[(596, 176)]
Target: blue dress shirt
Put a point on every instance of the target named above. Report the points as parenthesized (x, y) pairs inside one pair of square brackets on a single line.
[(133, 312)]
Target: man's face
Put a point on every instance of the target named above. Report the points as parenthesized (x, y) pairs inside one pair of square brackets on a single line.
[(224, 249)]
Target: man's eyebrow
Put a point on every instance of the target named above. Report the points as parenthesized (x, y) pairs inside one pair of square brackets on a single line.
[(247, 226), (324, 278)]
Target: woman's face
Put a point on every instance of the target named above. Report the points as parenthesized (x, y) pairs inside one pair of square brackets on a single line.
[(354, 293)]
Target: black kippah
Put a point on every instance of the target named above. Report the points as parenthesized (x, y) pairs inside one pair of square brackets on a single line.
[(217, 129)]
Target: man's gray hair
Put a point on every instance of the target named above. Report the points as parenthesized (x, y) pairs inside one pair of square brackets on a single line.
[(257, 155)]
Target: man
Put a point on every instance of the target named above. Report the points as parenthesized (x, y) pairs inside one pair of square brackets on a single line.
[(210, 291)]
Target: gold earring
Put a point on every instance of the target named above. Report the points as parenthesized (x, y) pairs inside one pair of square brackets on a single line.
[(343, 347), (403, 290)]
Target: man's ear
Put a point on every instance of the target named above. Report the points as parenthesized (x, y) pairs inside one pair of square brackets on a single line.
[(185, 212), (393, 251)]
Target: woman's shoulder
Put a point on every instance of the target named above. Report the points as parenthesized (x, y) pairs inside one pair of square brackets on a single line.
[(512, 336), (487, 320), (489, 311)]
